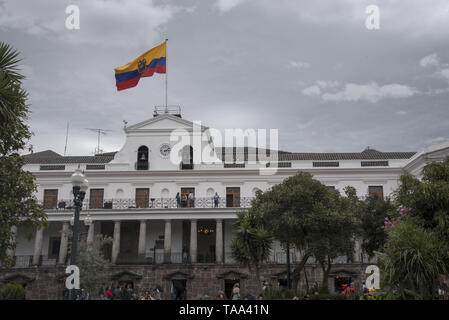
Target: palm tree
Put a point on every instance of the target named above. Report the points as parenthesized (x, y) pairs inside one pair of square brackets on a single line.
[(251, 242)]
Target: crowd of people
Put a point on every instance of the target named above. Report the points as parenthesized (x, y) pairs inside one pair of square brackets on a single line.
[(126, 292)]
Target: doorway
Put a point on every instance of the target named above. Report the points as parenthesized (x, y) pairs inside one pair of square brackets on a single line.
[(179, 289), (185, 201), (229, 285)]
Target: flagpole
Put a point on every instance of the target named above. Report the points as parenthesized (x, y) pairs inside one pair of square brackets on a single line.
[(166, 78)]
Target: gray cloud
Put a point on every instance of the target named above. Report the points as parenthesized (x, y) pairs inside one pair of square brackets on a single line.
[(245, 64)]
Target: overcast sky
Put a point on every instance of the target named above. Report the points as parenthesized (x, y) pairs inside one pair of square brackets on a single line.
[(308, 68)]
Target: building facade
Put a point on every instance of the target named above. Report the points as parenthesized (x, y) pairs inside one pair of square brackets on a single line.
[(167, 227)]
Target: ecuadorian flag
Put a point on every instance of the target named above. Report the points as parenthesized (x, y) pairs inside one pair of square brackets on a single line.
[(154, 60)]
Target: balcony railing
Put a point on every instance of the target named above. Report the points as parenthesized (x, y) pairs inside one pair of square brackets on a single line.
[(152, 258), (27, 261), (153, 203)]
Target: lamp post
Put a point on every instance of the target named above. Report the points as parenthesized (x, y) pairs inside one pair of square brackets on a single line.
[(80, 185)]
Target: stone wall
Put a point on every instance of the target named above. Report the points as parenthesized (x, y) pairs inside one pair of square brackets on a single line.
[(201, 279)]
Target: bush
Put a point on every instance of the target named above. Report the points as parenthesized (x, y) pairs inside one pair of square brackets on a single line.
[(328, 296), (281, 293), (12, 291)]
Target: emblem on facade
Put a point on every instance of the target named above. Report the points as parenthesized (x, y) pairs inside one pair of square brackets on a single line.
[(142, 66), (165, 149)]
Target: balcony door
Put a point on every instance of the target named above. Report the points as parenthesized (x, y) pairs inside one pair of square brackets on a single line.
[(142, 197), (96, 198), (50, 199), (185, 201), (233, 197)]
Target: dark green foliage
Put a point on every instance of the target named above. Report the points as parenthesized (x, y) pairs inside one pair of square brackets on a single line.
[(281, 293), (373, 211), (18, 206), (328, 296), (12, 291), (428, 199), (413, 260), (251, 241)]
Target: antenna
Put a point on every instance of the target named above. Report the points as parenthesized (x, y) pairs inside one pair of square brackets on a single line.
[(99, 131), (66, 138)]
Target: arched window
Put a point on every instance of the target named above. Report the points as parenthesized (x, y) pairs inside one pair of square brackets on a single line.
[(187, 158), (142, 158)]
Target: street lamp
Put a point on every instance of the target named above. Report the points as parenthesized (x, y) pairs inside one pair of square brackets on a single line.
[(80, 185)]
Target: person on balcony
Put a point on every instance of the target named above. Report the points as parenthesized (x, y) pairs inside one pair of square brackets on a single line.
[(184, 200), (216, 200), (178, 200), (192, 200)]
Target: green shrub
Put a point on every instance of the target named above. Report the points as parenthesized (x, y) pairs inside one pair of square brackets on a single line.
[(328, 296), (281, 293), (12, 291)]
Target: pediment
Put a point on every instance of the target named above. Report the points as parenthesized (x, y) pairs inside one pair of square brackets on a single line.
[(231, 274), (161, 123), (178, 275), (17, 278), (344, 272), (126, 275)]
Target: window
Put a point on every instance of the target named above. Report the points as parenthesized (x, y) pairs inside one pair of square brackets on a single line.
[(142, 158), (142, 197), (96, 198), (233, 197), (326, 164), (376, 190), (187, 158), (52, 167), (234, 165), (95, 167), (50, 199), (53, 247), (374, 163)]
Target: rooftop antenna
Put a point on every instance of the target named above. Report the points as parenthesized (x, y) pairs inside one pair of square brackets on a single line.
[(66, 138), (99, 132)]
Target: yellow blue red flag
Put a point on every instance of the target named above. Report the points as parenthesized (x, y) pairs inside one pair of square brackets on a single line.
[(154, 60)]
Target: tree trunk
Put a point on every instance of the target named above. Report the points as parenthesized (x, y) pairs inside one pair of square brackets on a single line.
[(298, 269), (307, 280), (259, 285), (326, 271)]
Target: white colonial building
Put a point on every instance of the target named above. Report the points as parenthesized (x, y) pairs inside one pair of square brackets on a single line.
[(132, 197)]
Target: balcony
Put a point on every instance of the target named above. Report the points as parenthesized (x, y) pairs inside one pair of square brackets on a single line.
[(27, 262), (142, 165), (186, 166), (153, 203)]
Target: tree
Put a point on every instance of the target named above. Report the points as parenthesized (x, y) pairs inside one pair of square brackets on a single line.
[(372, 212), (332, 228), (413, 260), (303, 213), (18, 205), (251, 242), (92, 263), (427, 200)]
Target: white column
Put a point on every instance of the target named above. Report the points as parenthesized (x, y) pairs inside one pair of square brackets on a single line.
[(11, 252), (219, 241), (64, 243), (91, 232), (116, 241), (167, 241), (357, 250), (38, 245), (193, 241), (142, 237)]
